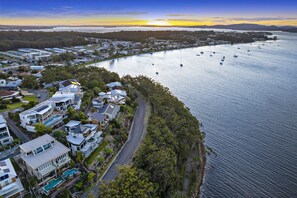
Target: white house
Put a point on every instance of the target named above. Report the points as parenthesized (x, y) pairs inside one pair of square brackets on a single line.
[(43, 156), (5, 137), (98, 102), (44, 113), (50, 112), (10, 184), (84, 138), (116, 96)]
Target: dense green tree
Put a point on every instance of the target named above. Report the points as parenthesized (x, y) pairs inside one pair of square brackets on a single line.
[(131, 182), (30, 82), (79, 156), (60, 136), (42, 129)]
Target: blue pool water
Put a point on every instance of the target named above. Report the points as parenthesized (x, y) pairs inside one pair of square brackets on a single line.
[(70, 172), (52, 184), (47, 123)]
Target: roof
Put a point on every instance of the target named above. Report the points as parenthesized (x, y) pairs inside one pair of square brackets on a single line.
[(74, 139), (102, 110), (35, 161), (4, 92), (98, 116), (7, 168), (91, 126), (39, 109), (69, 82), (114, 84), (2, 119), (112, 109), (37, 142), (118, 92), (73, 123)]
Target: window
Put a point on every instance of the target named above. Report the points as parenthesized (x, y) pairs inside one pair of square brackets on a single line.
[(47, 146), (7, 140), (38, 150), (4, 177)]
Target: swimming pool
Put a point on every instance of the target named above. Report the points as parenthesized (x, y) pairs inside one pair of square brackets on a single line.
[(52, 184), (52, 120), (69, 172)]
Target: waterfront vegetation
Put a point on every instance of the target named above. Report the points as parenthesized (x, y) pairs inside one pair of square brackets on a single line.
[(12, 40), (171, 134)]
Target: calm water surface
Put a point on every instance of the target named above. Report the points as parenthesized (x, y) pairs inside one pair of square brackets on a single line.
[(248, 107)]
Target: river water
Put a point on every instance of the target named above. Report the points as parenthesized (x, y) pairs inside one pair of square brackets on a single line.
[(248, 106)]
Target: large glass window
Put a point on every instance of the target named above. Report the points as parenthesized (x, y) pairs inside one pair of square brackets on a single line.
[(38, 150)]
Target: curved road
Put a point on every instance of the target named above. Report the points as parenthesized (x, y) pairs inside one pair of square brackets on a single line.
[(135, 137)]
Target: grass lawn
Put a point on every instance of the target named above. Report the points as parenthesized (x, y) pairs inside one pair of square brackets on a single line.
[(95, 154), (30, 98), (19, 104), (13, 106)]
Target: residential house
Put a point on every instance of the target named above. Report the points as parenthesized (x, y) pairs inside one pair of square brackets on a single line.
[(98, 102), (100, 119), (5, 137), (10, 184), (45, 113), (116, 96), (84, 138), (114, 85), (10, 84), (110, 110), (8, 95), (43, 156)]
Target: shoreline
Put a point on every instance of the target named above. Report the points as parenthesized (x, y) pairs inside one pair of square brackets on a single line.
[(202, 152), (201, 169), (91, 63)]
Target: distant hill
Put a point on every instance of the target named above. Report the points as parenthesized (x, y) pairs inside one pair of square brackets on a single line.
[(247, 26)]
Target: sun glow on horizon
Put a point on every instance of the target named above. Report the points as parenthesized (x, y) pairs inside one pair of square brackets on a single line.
[(159, 23)]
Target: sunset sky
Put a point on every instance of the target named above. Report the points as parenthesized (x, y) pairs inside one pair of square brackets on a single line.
[(153, 12)]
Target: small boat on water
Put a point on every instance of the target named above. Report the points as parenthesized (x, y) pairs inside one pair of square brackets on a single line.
[(223, 57), (201, 52), (222, 60), (153, 64), (249, 50), (238, 48), (210, 55), (235, 56), (214, 52), (181, 65), (221, 63), (197, 54), (157, 73)]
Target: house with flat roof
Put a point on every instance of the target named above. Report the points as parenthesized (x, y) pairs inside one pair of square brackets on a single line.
[(10, 184), (44, 113), (43, 156), (85, 138), (5, 137), (110, 110)]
